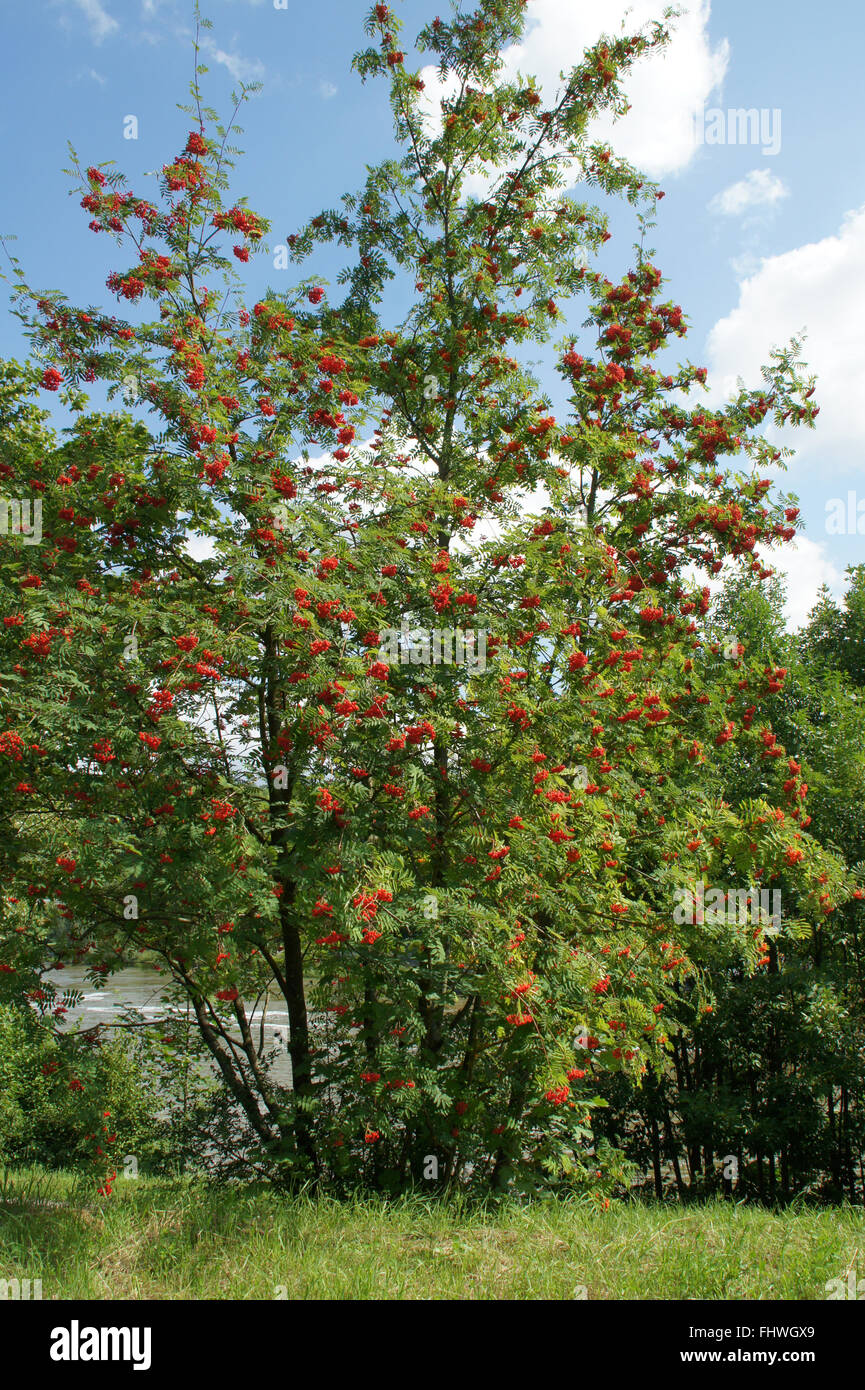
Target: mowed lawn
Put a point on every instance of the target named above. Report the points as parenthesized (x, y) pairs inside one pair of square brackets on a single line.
[(164, 1239)]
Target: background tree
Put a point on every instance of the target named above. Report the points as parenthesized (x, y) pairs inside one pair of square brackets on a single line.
[(772, 1079)]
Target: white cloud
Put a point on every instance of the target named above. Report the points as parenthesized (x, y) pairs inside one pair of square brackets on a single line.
[(804, 566), (326, 90), (100, 22), (819, 287), (746, 264), (665, 90), (760, 188), (199, 547), (241, 69)]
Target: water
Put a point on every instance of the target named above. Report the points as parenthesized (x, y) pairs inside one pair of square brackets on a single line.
[(143, 988)]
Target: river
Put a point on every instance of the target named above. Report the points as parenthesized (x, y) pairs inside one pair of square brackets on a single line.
[(143, 988)]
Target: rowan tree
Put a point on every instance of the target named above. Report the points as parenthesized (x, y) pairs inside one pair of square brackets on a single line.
[(458, 875)]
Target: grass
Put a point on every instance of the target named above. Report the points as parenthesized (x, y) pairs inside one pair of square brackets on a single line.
[(168, 1239)]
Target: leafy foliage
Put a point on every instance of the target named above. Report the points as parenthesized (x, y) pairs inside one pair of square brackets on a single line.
[(239, 756)]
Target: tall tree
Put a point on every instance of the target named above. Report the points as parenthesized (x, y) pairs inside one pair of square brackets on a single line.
[(457, 867)]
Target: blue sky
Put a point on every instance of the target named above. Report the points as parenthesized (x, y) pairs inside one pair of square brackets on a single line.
[(756, 241)]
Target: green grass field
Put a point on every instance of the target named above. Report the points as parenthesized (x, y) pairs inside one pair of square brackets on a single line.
[(160, 1239)]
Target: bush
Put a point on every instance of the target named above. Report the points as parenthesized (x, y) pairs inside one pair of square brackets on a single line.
[(62, 1100)]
